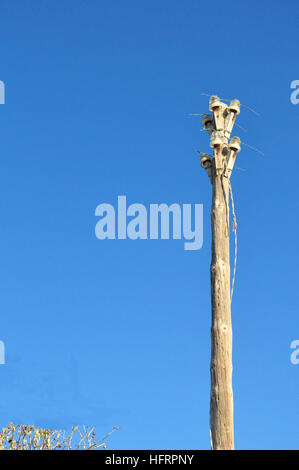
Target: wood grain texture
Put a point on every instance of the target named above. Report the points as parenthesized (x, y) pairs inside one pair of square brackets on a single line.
[(221, 403)]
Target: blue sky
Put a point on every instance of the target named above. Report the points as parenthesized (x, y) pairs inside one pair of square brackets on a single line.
[(117, 332)]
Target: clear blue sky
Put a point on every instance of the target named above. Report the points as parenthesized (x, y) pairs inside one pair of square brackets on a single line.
[(117, 332)]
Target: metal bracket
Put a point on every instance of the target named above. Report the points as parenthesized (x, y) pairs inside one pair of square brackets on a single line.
[(219, 159), (231, 158)]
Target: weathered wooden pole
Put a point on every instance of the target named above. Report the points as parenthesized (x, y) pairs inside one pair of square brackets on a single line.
[(221, 404), (219, 168)]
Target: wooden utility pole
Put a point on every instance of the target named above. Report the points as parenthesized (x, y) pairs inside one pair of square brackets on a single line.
[(219, 124)]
